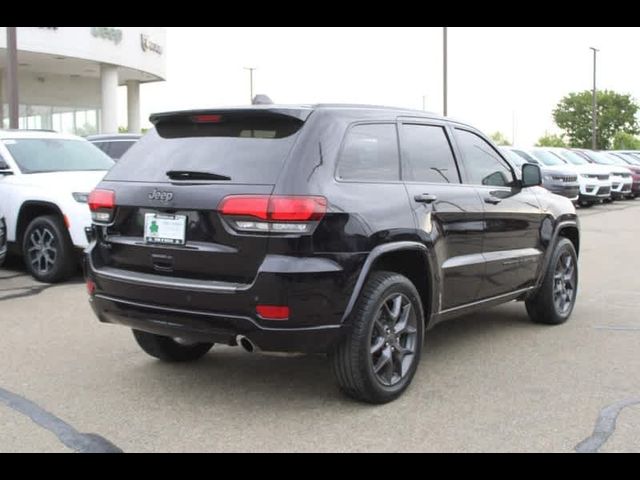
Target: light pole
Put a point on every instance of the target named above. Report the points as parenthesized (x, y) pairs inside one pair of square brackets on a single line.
[(594, 113), (12, 77), (444, 70), (251, 69)]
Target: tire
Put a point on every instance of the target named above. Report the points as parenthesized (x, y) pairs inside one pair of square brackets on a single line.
[(365, 343), (55, 261), (169, 350), (543, 307)]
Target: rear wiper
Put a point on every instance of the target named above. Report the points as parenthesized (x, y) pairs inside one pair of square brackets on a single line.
[(192, 175)]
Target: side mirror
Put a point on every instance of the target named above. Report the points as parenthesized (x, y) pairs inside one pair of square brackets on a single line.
[(531, 175)]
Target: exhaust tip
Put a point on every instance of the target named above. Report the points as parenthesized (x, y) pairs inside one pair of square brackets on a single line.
[(246, 344)]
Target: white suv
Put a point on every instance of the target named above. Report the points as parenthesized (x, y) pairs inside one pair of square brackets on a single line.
[(45, 179), (595, 180)]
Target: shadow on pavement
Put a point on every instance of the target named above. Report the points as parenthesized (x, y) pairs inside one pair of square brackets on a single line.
[(265, 381)]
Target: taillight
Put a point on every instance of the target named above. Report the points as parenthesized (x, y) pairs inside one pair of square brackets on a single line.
[(102, 204), (275, 213)]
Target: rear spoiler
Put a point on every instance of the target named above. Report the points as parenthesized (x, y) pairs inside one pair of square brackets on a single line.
[(257, 122), (237, 113)]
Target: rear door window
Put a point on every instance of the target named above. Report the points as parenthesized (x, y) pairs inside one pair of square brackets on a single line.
[(370, 154), (427, 156), (247, 149)]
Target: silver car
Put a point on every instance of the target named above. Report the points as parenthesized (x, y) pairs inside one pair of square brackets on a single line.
[(557, 177)]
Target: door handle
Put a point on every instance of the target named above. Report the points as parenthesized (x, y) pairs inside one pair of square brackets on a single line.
[(492, 200), (425, 198)]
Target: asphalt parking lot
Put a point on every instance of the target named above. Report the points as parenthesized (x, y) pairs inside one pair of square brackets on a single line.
[(488, 382)]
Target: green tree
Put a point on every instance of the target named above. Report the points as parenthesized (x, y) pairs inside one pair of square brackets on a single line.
[(625, 141), (499, 139), (616, 113), (551, 140)]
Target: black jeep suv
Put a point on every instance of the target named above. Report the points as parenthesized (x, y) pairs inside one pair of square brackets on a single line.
[(337, 229)]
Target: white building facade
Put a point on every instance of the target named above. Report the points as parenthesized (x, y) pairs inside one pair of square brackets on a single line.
[(68, 77)]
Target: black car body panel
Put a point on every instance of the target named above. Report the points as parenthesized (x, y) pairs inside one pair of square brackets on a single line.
[(466, 245)]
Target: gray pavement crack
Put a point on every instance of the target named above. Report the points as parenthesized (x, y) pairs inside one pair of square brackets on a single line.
[(605, 426), (68, 436), (27, 291)]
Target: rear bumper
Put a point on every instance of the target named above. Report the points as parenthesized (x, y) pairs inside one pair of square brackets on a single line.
[(200, 326), (315, 289)]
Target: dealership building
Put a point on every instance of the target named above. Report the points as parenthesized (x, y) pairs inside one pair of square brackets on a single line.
[(68, 77)]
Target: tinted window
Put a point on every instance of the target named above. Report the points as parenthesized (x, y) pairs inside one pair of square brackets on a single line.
[(482, 163), (104, 146), (427, 155), (370, 153), (245, 148), (117, 149), (35, 155)]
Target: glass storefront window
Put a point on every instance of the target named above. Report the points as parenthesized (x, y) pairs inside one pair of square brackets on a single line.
[(80, 121)]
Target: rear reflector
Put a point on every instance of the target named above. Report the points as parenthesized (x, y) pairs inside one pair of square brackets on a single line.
[(91, 287), (275, 207), (273, 312)]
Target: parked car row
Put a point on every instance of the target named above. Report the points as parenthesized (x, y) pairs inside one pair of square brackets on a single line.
[(586, 177)]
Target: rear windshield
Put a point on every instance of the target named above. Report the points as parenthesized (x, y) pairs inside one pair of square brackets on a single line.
[(244, 150), (38, 155)]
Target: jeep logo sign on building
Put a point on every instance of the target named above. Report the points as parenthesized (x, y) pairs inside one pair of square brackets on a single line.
[(148, 45)]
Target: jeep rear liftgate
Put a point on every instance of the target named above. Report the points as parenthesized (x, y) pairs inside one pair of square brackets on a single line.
[(162, 213)]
